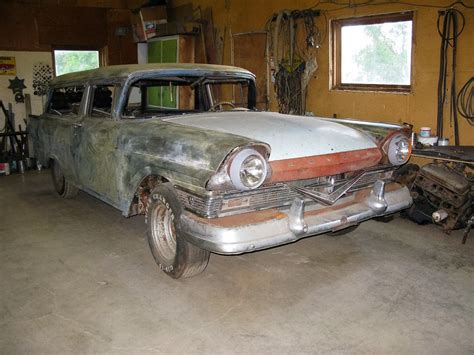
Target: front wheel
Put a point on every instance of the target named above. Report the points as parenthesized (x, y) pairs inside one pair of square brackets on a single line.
[(173, 254)]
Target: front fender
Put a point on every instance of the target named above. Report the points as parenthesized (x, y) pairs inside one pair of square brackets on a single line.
[(185, 156), (139, 167)]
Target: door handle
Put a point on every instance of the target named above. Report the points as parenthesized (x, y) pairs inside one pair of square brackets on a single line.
[(77, 125)]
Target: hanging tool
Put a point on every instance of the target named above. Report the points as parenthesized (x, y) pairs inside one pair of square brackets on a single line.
[(449, 35)]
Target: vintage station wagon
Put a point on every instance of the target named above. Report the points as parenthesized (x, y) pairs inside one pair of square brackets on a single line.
[(184, 145)]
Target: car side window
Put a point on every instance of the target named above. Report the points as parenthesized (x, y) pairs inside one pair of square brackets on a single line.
[(102, 101), (65, 101)]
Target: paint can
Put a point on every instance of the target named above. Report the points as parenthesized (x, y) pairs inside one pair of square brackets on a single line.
[(425, 132), (4, 169)]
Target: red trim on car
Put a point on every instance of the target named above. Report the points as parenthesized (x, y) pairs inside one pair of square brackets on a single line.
[(323, 165)]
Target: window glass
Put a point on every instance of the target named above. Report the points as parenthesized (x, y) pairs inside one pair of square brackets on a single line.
[(102, 100), (181, 95), (229, 95), (69, 61), (373, 51), (161, 97), (376, 54), (65, 101)]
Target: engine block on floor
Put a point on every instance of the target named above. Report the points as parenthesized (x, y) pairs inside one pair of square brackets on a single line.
[(445, 189)]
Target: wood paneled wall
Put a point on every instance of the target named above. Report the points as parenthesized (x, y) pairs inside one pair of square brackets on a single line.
[(418, 107), (33, 27)]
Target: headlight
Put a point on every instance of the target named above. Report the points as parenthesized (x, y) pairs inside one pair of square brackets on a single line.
[(399, 150), (248, 170)]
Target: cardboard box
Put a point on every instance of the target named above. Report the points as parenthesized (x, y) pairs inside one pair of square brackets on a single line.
[(177, 28), (137, 28), (151, 17)]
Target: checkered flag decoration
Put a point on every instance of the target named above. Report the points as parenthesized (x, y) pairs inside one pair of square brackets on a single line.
[(42, 75)]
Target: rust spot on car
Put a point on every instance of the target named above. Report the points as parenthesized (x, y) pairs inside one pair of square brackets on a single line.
[(242, 219), (323, 165), (275, 214)]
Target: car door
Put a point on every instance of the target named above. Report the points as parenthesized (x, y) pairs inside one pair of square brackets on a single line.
[(96, 145), (55, 128)]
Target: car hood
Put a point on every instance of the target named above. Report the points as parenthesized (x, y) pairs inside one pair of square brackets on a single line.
[(288, 136)]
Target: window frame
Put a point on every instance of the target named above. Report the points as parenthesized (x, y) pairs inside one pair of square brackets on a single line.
[(115, 97), (72, 114), (335, 52)]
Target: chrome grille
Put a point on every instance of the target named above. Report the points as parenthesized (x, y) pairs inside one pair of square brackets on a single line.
[(278, 195)]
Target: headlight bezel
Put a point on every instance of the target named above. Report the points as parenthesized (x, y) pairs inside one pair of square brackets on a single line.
[(222, 181), (393, 147), (235, 169)]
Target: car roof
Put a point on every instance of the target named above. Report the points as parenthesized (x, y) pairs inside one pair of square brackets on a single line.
[(125, 71)]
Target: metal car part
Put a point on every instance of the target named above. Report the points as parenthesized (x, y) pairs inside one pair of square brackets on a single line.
[(226, 177), (442, 192), (329, 199), (274, 196), (398, 151), (264, 229), (235, 169)]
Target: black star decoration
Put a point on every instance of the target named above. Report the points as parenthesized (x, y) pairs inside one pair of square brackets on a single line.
[(17, 84)]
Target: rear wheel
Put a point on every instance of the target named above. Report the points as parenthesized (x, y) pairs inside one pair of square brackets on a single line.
[(173, 254), (61, 185)]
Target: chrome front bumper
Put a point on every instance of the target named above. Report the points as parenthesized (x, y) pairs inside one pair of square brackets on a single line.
[(264, 229)]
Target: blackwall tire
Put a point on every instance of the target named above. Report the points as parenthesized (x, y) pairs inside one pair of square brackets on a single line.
[(61, 185), (174, 255)]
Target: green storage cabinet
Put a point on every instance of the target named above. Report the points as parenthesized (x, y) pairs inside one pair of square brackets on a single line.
[(163, 50), (171, 49)]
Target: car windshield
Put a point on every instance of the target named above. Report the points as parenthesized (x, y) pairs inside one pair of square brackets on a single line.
[(180, 95)]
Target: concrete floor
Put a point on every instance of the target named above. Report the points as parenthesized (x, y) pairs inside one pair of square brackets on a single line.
[(77, 277)]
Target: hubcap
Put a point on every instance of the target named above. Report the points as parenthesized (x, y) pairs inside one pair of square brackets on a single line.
[(163, 233)]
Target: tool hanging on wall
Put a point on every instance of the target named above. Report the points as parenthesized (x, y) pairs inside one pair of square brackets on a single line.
[(13, 144), (465, 101), (17, 85), (449, 36), (292, 56)]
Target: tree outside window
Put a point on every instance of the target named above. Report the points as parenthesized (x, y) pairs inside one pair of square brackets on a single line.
[(68, 61), (373, 53)]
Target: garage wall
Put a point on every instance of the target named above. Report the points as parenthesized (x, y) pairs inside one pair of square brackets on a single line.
[(417, 108), (31, 29), (37, 26), (24, 70)]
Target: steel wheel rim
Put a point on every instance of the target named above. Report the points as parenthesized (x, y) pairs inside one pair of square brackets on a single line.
[(163, 233)]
